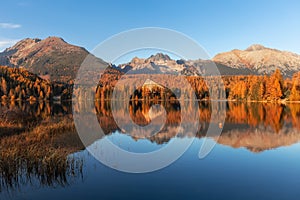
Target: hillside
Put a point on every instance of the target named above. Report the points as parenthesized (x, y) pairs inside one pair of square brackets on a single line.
[(19, 84), (51, 58), (261, 60)]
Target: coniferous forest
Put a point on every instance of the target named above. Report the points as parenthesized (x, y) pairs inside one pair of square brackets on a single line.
[(19, 84)]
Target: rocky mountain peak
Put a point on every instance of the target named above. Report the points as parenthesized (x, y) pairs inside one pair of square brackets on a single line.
[(256, 47), (159, 57), (261, 60), (28, 44), (51, 57), (54, 41), (54, 38), (137, 60), (23, 44)]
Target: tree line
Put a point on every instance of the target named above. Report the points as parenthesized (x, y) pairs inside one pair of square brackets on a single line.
[(19, 84), (272, 88)]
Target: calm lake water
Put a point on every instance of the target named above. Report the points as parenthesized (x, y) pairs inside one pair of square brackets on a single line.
[(256, 157)]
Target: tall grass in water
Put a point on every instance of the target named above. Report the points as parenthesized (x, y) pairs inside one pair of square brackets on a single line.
[(40, 153)]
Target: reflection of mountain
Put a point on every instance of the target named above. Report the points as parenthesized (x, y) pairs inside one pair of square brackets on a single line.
[(259, 139), (42, 135), (255, 126)]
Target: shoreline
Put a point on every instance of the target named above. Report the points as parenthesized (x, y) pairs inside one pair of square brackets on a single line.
[(152, 100)]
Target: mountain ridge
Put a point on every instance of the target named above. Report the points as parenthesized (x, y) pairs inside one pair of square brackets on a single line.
[(51, 56), (162, 64), (54, 59), (261, 60)]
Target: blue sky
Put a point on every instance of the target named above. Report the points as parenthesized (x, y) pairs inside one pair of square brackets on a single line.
[(217, 25)]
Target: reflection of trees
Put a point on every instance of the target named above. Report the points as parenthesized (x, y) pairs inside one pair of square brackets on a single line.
[(255, 114), (274, 116), (140, 114), (36, 139), (16, 117), (295, 114), (257, 126)]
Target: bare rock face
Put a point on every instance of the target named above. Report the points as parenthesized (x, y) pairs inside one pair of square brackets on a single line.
[(255, 47), (163, 64), (159, 57), (261, 60), (155, 64), (51, 58)]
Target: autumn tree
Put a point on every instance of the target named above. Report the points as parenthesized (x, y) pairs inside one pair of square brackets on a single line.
[(4, 86), (274, 86), (295, 91)]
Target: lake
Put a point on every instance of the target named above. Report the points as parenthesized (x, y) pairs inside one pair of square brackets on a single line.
[(256, 156)]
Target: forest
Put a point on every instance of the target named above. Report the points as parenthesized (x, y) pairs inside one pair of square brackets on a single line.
[(273, 88), (19, 84)]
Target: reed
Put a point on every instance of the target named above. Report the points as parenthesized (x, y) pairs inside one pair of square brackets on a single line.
[(42, 153)]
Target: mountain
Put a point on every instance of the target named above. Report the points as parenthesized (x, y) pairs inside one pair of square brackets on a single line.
[(51, 58), (155, 64), (260, 60), (55, 60), (163, 64)]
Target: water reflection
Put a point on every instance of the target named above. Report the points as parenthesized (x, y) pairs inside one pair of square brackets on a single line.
[(255, 126), (37, 141)]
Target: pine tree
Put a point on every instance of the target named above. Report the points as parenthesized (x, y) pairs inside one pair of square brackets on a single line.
[(261, 91), (295, 93), (4, 86)]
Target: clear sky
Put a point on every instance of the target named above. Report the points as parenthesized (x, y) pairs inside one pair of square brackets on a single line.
[(217, 25)]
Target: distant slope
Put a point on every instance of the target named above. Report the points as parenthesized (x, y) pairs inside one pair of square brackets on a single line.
[(51, 58), (261, 60)]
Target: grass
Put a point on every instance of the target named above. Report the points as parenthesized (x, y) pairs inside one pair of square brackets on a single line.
[(41, 153)]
